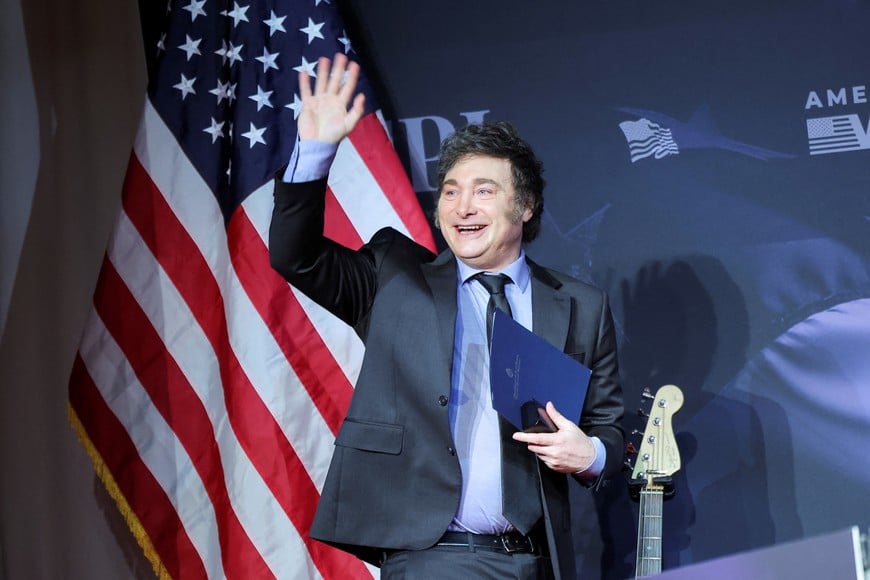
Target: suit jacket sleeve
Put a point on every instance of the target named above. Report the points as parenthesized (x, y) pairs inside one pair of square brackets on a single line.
[(340, 279), (603, 411)]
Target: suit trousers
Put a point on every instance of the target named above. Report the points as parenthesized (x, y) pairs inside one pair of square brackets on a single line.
[(462, 563)]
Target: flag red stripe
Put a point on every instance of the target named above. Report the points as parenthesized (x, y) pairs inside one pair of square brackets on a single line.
[(142, 492), (371, 142), (300, 342), (313, 364), (255, 427), (179, 405), (337, 226)]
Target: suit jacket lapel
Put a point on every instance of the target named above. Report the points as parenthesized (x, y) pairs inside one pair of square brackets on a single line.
[(551, 309), (440, 274)]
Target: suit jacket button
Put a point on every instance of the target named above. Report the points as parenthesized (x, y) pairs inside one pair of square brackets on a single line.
[(442, 400)]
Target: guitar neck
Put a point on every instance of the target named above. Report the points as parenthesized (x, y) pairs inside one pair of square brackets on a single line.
[(658, 459), (649, 532)]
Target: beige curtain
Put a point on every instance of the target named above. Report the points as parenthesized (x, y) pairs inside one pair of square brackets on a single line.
[(73, 81)]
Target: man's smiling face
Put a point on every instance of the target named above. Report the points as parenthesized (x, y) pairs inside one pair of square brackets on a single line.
[(478, 214)]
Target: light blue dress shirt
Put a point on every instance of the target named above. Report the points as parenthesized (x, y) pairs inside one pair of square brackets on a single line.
[(473, 420)]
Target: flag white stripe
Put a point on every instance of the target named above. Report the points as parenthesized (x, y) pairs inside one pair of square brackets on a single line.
[(257, 509), (183, 188), (278, 386), (155, 441), (343, 343), (359, 194)]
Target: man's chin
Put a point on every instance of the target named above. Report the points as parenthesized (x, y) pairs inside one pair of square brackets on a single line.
[(463, 250), (475, 260)]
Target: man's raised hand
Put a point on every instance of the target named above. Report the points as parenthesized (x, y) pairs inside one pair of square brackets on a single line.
[(325, 115)]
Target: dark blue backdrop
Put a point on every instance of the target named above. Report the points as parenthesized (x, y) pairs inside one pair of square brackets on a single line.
[(736, 260)]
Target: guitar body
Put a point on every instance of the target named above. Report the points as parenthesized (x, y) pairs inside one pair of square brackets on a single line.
[(658, 459)]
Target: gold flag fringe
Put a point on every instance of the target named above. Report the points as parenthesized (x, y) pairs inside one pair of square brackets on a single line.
[(111, 486)]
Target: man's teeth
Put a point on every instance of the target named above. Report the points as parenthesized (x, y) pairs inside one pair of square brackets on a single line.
[(469, 228)]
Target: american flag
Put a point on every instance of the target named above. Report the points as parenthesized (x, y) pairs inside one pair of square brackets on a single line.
[(646, 138), (206, 390), (836, 134)]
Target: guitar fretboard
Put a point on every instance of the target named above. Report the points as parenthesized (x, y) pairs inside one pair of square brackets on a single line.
[(649, 536)]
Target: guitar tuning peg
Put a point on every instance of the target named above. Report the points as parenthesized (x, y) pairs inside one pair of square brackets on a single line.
[(642, 413), (647, 394), (636, 432), (629, 448)]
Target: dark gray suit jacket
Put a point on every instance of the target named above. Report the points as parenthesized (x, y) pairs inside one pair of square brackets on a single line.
[(394, 481)]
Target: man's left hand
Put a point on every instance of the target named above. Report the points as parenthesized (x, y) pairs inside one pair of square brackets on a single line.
[(568, 450)]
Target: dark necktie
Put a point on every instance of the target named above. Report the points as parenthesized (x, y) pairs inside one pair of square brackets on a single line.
[(494, 284), (521, 503)]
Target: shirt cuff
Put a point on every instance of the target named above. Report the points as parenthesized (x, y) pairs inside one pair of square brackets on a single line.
[(595, 468), (310, 161)]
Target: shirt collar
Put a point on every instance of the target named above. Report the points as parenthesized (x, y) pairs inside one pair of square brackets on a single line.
[(517, 271)]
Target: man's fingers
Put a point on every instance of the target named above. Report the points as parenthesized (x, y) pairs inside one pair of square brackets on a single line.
[(558, 418), (541, 439), (347, 89), (336, 75), (356, 112), (304, 85), (320, 83)]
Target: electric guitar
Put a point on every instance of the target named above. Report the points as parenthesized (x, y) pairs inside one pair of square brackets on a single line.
[(657, 460)]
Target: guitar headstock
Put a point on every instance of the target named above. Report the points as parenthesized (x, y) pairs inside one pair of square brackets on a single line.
[(658, 457)]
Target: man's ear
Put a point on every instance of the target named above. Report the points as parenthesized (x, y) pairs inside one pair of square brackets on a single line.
[(527, 214)]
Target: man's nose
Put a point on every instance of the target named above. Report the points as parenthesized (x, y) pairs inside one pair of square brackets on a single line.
[(465, 204)]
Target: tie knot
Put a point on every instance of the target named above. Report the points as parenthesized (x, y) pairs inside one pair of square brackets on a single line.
[(494, 283)]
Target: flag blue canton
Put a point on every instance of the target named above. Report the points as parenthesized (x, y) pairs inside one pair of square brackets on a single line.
[(227, 86)]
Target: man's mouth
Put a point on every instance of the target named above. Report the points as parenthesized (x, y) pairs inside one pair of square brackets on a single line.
[(469, 229)]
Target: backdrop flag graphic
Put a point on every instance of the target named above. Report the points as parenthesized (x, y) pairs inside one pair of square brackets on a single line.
[(206, 390)]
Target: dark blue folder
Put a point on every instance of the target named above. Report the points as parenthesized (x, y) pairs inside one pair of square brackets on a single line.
[(524, 367)]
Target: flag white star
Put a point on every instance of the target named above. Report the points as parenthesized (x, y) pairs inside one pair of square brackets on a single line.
[(222, 51), (234, 53), (190, 46), (275, 23), (254, 135), (220, 91), (262, 98), (161, 44), (345, 41), (195, 9), (185, 85), (307, 67), (317, 2), (312, 30), (295, 106), (268, 60), (216, 130), (231, 95), (237, 13)]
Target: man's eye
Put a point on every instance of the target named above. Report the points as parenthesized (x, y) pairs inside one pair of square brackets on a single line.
[(484, 192), (448, 193)]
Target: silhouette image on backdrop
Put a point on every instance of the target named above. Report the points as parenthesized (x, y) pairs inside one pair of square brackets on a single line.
[(685, 323)]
